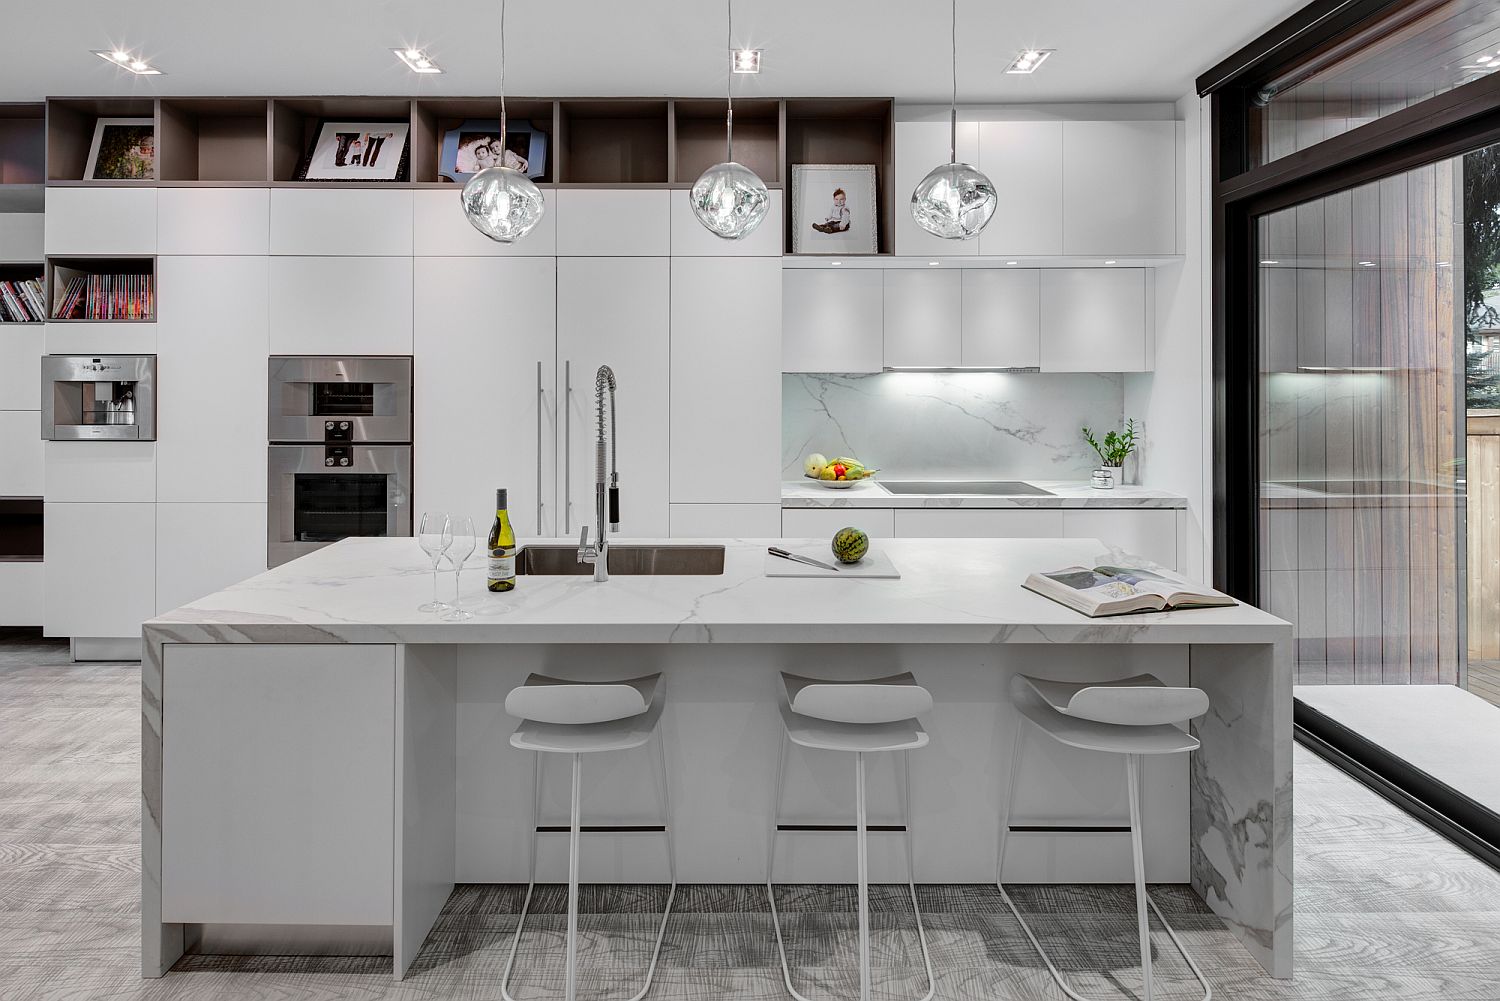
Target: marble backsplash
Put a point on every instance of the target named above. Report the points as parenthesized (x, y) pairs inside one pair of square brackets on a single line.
[(951, 425)]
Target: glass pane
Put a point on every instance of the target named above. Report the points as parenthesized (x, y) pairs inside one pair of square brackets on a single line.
[(343, 399), (1362, 430), (1411, 55), (333, 506)]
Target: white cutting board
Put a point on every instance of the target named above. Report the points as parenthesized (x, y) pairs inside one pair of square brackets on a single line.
[(875, 566)]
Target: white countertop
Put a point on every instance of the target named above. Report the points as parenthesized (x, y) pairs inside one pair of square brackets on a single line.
[(1066, 494), (950, 591)]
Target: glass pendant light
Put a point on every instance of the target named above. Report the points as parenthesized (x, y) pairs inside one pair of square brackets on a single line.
[(955, 201), (729, 199), (500, 202)]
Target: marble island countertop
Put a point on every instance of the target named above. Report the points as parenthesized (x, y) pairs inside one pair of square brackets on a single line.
[(950, 591), (1065, 494)]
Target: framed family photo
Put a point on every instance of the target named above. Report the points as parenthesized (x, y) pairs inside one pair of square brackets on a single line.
[(474, 145), (357, 151), (124, 149), (834, 208)]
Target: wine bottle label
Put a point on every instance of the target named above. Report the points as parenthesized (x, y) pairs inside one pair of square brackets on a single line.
[(502, 567)]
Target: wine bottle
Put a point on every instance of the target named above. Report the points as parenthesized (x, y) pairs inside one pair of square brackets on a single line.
[(502, 546)]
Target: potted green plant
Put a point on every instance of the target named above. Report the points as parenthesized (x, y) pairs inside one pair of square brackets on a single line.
[(1113, 451)]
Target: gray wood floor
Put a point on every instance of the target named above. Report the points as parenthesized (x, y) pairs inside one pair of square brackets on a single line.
[(1484, 680), (1385, 908)]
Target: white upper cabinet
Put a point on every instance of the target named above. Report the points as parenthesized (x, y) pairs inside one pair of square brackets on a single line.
[(1024, 160), (483, 346), (832, 320), (346, 305), (21, 236), (1097, 320), (691, 239), (615, 311), (361, 222), (213, 221), (726, 380), (211, 424), (924, 317), (609, 222), (920, 146), (100, 221), (1002, 317), (1119, 188), (440, 229)]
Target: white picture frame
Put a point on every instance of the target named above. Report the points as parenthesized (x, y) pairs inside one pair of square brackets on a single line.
[(338, 144), (828, 196), (122, 141)]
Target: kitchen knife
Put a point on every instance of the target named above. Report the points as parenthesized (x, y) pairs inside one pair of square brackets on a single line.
[(801, 559)]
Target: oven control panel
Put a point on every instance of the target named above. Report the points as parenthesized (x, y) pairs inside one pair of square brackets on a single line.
[(338, 455), (338, 430)]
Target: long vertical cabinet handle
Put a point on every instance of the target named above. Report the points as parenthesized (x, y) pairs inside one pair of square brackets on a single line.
[(567, 404), (540, 402)]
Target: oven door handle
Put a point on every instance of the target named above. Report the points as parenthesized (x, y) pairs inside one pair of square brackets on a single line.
[(540, 400)]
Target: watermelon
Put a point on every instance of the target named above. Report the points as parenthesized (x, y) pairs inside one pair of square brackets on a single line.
[(850, 545)]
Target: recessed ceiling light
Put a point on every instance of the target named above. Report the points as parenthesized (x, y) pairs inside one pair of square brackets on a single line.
[(125, 61), (417, 61), (745, 61), (933, 264), (1027, 60), (835, 263), (1111, 262), (1010, 264)]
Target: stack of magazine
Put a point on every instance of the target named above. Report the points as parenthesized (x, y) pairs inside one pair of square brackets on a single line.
[(1097, 591), (22, 302), (108, 297)]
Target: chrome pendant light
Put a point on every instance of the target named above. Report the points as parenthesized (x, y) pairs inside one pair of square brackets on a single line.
[(955, 201), (500, 202), (729, 199)]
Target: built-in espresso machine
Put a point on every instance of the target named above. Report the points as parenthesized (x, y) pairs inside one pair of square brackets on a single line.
[(339, 457), (99, 398)]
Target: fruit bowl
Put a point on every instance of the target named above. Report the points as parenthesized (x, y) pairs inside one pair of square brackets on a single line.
[(838, 484)]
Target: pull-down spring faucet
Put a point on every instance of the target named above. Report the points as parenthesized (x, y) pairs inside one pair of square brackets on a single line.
[(606, 493)]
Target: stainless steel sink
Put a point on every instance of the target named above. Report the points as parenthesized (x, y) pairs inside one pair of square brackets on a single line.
[(627, 560), (980, 488)]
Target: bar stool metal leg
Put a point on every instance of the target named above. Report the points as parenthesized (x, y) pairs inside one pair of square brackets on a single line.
[(1142, 898)]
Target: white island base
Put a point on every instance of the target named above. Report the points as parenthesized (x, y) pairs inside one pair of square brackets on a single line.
[(334, 761)]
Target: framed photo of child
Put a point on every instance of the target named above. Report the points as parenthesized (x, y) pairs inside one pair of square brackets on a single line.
[(476, 144), (356, 151), (834, 209)]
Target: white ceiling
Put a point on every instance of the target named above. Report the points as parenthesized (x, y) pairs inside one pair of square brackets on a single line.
[(1108, 50)]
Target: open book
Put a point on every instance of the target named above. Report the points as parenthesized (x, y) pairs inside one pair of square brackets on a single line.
[(1121, 590)]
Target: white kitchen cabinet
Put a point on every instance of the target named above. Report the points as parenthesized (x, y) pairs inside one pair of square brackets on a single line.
[(920, 146), (76, 338), (1024, 160), (1148, 532), (615, 311), (348, 305), (100, 221), (1119, 188), (211, 421), (824, 522), (21, 453), (235, 535), (690, 238), (113, 471), (100, 571), (1097, 320), (213, 221), (979, 523), (832, 320), (486, 415), (726, 521), (21, 236), (329, 221), (924, 317), (21, 350), (22, 584), (726, 380), (277, 794), (1002, 317), (610, 222), (440, 229)]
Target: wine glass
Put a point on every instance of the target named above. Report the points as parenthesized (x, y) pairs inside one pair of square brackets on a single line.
[(463, 542), (434, 535)]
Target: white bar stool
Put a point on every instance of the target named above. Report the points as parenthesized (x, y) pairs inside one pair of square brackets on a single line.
[(577, 718), (1132, 717), (861, 717)]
